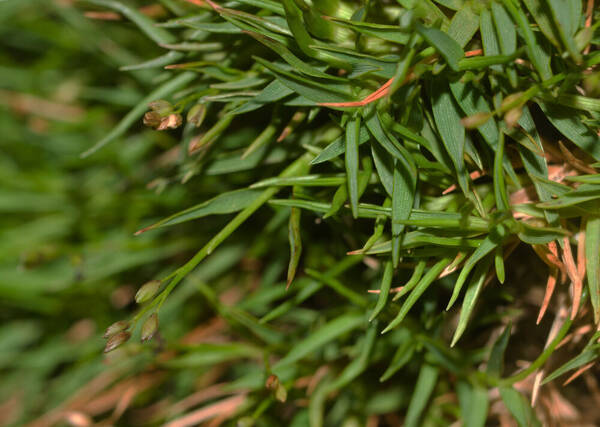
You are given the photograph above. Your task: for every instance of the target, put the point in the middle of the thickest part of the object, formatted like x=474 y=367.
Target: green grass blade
x=471 y=296
x=402 y=356
x=384 y=290
x=592 y=262
x=316 y=180
x=566 y=25
x=463 y=26
x=500 y=192
x=489 y=244
x=352 y=143
x=426 y=382
x=443 y=43
x=489 y=38
x=447 y=119
x=295 y=240
x=413 y=281
x=518 y=407
x=495 y=365
x=403 y=198
x=474 y=404
x=587 y=356
x=232 y=201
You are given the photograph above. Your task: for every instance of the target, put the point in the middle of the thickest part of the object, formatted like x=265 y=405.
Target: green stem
x=295 y=168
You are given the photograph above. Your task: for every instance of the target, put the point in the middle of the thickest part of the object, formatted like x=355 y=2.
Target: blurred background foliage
x=70 y=266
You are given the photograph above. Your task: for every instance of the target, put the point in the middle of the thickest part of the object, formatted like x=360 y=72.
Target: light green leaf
x=225 y=203
x=352 y=143
x=592 y=262
x=424 y=387
x=402 y=356
x=384 y=290
x=519 y=407
x=495 y=365
x=447 y=119
x=443 y=43
x=473 y=291
x=495 y=237
x=474 y=404
x=463 y=26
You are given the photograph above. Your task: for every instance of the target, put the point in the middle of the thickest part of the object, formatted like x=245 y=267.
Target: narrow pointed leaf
x=443 y=43
x=352 y=143
x=488 y=245
x=386 y=283
x=416 y=293
x=471 y=296
x=426 y=382
x=592 y=261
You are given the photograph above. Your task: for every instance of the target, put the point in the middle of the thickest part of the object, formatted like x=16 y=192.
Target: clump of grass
x=409 y=188
x=454 y=129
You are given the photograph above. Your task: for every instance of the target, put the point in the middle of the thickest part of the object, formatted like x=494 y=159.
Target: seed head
x=116 y=340
x=152 y=119
x=272 y=382
x=115 y=328
x=149 y=327
x=197 y=114
x=172 y=121
x=147 y=291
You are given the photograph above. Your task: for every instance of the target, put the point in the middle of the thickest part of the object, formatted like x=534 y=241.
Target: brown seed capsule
x=172 y=121
x=272 y=382
x=149 y=327
x=152 y=119
x=115 y=328
x=147 y=291
x=197 y=114
x=116 y=340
